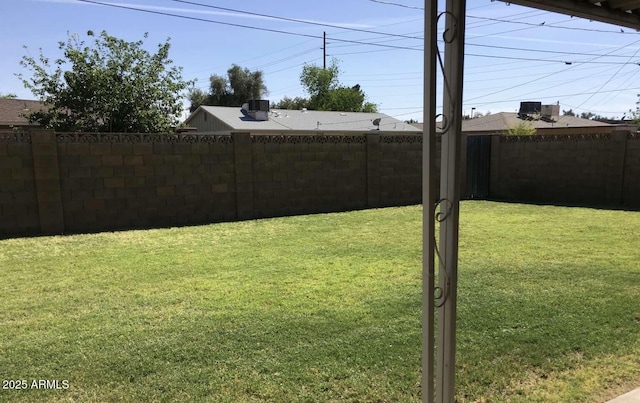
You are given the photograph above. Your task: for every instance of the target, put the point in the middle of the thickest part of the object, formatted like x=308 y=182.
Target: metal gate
x=478 y=167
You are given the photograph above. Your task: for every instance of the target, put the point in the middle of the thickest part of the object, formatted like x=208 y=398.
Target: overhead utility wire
x=539 y=50
x=321 y=24
x=621 y=31
x=512 y=21
x=397 y=4
x=292 y=33
x=549 y=60
x=549 y=75
x=278 y=31
x=607 y=82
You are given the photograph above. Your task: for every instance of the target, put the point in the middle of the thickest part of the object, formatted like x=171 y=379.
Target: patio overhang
x=624 y=13
x=438 y=372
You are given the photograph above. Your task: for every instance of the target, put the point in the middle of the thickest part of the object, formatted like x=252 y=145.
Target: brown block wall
x=574 y=169
x=294 y=174
x=141 y=181
x=18 y=198
x=85 y=182
x=631 y=188
x=400 y=170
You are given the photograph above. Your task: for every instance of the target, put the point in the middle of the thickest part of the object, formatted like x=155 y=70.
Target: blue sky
x=512 y=53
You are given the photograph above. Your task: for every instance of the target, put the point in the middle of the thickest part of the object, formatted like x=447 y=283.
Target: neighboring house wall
x=205 y=122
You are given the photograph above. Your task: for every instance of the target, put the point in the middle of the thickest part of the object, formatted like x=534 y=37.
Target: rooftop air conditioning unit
x=550 y=113
x=258 y=109
x=530 y=110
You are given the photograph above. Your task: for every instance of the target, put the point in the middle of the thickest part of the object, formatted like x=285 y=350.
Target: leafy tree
x=111 y=86
x=570 y=112
x=240 y=86
x=634 y=115
x=296 y=103
x=327 y=94
x=8 y=96
x=522 y=128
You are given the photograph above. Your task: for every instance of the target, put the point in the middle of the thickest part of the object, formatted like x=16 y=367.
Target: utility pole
x=324 y=50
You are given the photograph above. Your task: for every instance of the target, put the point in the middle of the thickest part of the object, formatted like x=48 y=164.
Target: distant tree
x=327 y=94
x=410 y=121
x=634 y=115
x=522 y=128
x=240 y=85
x=8 y=96
x=570 y=112
x=111 y=85
x=596 y=117
x=296 y=103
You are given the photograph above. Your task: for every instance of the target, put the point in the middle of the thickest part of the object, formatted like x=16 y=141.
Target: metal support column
x=429 y=199
x=450 y=199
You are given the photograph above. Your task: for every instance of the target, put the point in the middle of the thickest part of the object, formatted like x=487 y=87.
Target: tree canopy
x=111 y=85
x=326 y=93
x=240 y=85
x=522 y=128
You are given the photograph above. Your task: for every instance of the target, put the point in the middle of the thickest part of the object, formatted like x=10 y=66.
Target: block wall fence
x=600 y=170
x=54 y=183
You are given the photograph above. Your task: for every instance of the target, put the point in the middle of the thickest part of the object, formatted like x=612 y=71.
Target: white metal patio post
x=449 y=199
x=429 y=199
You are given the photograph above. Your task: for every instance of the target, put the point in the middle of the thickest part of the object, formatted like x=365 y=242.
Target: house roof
x=303 y=120
x=13 y=111
x=503 y=121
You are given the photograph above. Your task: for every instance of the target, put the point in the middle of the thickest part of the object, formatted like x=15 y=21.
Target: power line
x=549 y=75
x=543 y=24
x=278 y=31
x=608 y=81
x=275 y=17
x=566 y=62
x=397 y=4
x=357 y=42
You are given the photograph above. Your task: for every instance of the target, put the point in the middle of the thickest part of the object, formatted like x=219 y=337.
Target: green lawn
x=324 y=308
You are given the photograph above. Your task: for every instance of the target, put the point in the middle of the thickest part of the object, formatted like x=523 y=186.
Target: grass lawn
x=324 y=308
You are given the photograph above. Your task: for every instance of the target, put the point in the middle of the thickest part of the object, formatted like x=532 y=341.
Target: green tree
x=522 y=128
x=111 y=85
x=240 y=86
x=8 y=96
x=570 y=112
x=634 y=115
x=296 y=103
x=326 y=93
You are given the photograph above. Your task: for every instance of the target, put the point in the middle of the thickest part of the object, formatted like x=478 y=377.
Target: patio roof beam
x=623 y=16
